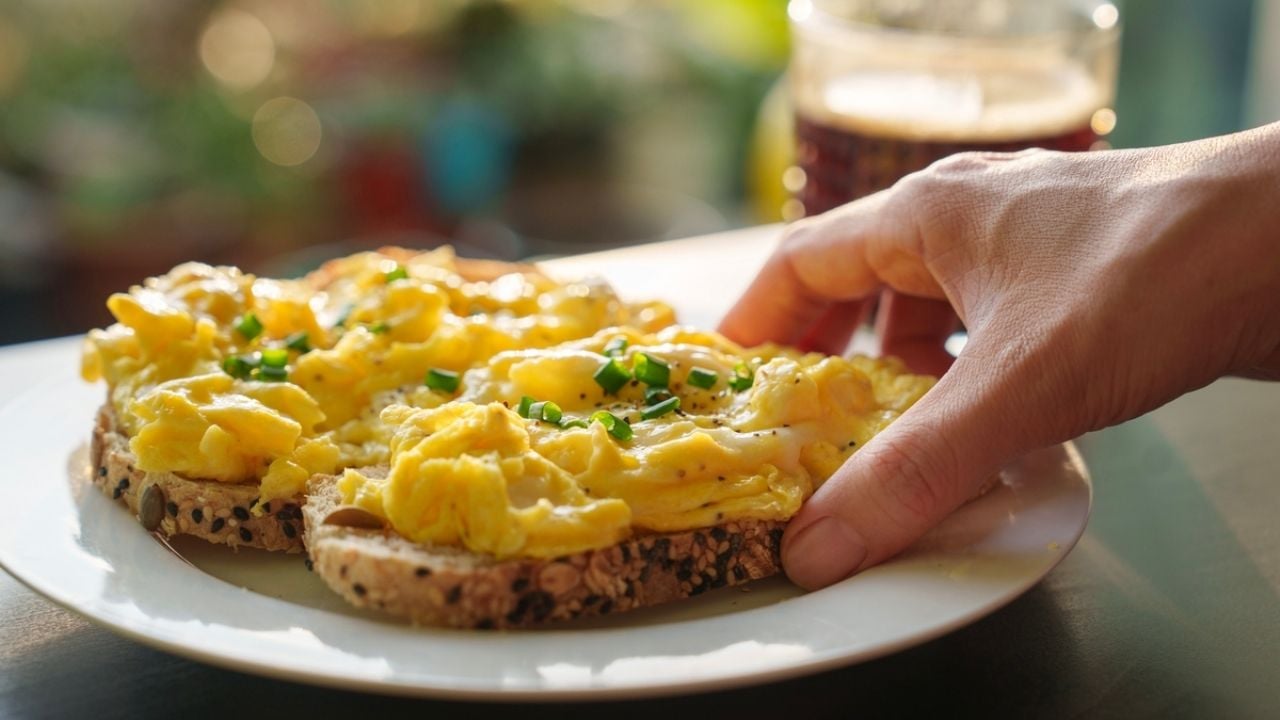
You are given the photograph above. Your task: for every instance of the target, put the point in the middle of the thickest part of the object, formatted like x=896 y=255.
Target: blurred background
x=271 y=134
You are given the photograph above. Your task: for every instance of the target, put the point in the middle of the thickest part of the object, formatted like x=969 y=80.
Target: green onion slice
x=614 y=424
x=275 y=357
x=701 y=377
x=742 y=378
x=400 y=273
x=298 y=341
x=653 y=395
x=249 y=326
x=671 y=404
x=575 y=423
x=272 y=374
x=526 y=403
x=612 y=376
x=239 y=367
x=379 y=328
x=651 y=370
x=546 y=411
x=442 y=380
x=345 y=316
x=616 y=347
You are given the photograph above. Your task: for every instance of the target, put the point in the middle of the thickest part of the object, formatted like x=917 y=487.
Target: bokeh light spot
x=1103 y=121
x=286 y=131
x=237 y=49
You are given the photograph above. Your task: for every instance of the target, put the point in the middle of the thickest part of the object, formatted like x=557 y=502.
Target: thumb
x=905 y=480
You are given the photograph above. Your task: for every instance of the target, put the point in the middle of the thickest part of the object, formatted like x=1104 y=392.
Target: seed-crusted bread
x=448 y=586
x=221 y=513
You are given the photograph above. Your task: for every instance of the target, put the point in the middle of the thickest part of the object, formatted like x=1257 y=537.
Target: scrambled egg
x=511 y=415
x=219 y=375
x=475 y=471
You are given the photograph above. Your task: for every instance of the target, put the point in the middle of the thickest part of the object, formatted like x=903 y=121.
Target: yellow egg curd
x=219 y=375
x=537 y=457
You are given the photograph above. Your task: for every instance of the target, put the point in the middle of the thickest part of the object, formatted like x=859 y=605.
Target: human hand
x=1094 y=286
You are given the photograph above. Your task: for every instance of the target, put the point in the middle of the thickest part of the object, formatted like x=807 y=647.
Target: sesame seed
x=289 y=530
x=197 y=515
x=245 y=535
x=359 y=589
x=172 y=508
x=240 y=513
x=218 y=524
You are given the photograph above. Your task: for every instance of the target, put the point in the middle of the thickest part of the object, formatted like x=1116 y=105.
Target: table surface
x=1168 y=607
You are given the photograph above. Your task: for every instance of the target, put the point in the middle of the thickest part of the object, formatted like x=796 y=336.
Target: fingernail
x=822 y=553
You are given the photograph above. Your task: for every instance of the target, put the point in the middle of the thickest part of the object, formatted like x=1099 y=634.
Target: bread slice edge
x=220 y=513
x=447 y=586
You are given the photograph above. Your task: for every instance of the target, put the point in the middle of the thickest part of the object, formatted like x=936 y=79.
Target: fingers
x=916 y=330
x=827 y=259
x=835 y=327
x=906 y=480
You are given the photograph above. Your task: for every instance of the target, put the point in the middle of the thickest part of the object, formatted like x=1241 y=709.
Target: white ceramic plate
x=264 y=613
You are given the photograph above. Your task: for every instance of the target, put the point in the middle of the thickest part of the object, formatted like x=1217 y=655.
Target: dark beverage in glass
x=882 y=88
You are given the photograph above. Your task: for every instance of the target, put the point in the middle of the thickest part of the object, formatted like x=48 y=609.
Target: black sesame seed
x=359 y=589
x=245 y=535
x=310 y=565
x=102 y=471
x=197 y=515
x=519 y=584
x=218 y=524
x=454 y=595
x=422 y=572
x=289 y=530
x=172 y=508
x=240 y=513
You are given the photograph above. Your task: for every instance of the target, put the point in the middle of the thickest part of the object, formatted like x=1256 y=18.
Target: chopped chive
x=742 y=378
x=298 y=341
x=574 y=423
x=526 y=402
x=656 y=411
x=701 y=377
x=651 y=370
x=442 y=380
x=654 y=395
x=272 y=374
x=616 y=347
x=238 y=367
x=546 y=411
x=249 y=326
x=552 y=413
x=613 y=424
x=379 y=328
x=400 y=273
x=275 y=357
x=612 y=376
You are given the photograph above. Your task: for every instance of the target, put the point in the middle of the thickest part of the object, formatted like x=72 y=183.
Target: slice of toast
x=221 y=513
x=449 y=586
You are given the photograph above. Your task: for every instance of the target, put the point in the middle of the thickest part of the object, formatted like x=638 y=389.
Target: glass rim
x=809 y=15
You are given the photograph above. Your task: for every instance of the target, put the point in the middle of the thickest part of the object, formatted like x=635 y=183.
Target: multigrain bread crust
x=171 y=505
x=449 y=586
